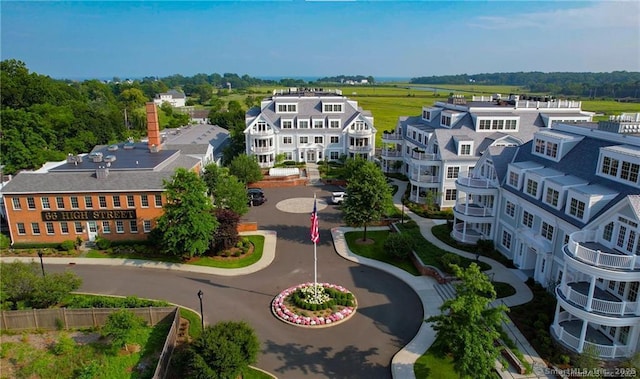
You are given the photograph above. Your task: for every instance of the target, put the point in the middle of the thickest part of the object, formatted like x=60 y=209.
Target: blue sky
x=319 y=38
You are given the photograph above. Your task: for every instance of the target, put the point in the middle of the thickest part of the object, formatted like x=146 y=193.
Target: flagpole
x=315 y=271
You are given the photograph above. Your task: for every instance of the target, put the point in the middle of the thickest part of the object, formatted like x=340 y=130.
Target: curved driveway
x=388 y=316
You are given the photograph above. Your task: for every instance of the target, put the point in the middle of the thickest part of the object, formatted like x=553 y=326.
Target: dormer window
x=334 y=124
x=552 y=197
x=331 y=108
x=484 y=124
x=545 y=148
x=445 y=120
x=303 y=124
x=261 y=126
x=576 y=208
x=619 y=163
x=318 y=124
x=465 y=149
x=286 y=108
x=287 y=124
x=426 y=115
x=532 y=188
x=514 y=179
x=359 y=125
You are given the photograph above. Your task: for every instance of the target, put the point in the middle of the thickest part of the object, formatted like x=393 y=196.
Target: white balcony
x=567 y=331
x=391 y=153
x=475 y=182
x=423 y=156
x=360 y=132
x=602 y=301
x=583 y=247
x=470 y=209
x=469 y=235
x=424 y=178
x=262 y=149
x=359 y=148
x=261 y=132
x=391 y=137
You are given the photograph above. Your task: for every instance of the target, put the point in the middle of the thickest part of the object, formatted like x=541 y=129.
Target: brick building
x=115 y=191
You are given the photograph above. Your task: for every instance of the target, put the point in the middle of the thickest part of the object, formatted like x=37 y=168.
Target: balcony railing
x=391 y=136
x=391 y=153
x=475 y=182
x=424 y=178
x=360 y=132
x=423 y=156
x=262 y=149
x=261 y=132
x=473 y=210
x=618 y=308
x=597 y=257
x=603 y=351
x=470 y=236
x=360 y=148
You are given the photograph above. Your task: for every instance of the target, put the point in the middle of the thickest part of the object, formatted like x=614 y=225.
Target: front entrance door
x=311 y=156
x=92 y=227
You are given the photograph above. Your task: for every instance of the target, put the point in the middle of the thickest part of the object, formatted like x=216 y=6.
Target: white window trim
x=334 y=120
x=578 y=198
x=303 y=120
x=560 y=191
x=287 y=120
x=526 y=187
x=287 y=105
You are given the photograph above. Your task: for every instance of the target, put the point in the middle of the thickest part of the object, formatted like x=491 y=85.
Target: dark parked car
x=255 y=196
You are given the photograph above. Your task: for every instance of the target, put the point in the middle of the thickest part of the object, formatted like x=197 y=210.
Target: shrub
x=65 y=345
x=120 y=327
x=68 y=245
x=5 y=241
x=103 y=243
x=448 y=259
x=398 y=245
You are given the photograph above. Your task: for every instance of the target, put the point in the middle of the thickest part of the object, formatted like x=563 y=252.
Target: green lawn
x=376 y=250
x=257 y=240
x=503 y=289
x=442 y=233
x=434 y=364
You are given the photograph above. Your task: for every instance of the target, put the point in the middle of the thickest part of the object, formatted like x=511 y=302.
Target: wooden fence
x=63 y=318
x=167 y=350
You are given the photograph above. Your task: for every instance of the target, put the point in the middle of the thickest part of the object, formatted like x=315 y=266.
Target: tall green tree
x=223 y=351
x=245 y=168
x=368 y=196
x=187 y=225
x=469 y=325
x=226 y=191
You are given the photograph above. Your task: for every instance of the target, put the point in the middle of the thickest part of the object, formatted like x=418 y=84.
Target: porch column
x=592 y=287
x=632 y=340
x=464 y=230
x=556 y=320
x=583 y=335
x=466 y=204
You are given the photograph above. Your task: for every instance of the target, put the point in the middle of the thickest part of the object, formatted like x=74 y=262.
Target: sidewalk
x=268 y=255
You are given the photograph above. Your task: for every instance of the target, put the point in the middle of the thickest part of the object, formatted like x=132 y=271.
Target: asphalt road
x=388 y=316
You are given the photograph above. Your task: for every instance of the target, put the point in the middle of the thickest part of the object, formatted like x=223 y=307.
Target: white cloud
x=600 y=15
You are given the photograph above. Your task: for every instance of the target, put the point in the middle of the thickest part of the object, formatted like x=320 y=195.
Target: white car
x=338 y=197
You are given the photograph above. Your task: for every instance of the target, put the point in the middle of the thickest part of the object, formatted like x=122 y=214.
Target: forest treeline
x=616 y=84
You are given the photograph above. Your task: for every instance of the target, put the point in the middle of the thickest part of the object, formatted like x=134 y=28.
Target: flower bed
x=283 y=307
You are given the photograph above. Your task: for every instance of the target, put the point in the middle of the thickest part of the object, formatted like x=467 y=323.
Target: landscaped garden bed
x=322 y=305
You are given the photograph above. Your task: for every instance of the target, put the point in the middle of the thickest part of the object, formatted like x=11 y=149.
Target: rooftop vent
x=112 y=147
x=110 y=158
x=102 y=172
x=96 y=157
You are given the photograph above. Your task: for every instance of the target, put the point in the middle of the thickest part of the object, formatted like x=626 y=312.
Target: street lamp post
x=200 y=293
x=41 y=263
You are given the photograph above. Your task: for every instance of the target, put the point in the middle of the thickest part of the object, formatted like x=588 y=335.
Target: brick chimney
x=153 y=128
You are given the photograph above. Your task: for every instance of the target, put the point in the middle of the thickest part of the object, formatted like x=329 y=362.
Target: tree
x=187 y=224
x=226 y=236
x=226 y=191
x=368 y=196
x=223 y=351
x=21 y=284
x=121 y=326
x=245 y=168
x=468 y=325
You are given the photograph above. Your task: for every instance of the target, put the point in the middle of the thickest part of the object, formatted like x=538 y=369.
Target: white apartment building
x=308 y=125
x=565 y=207
x=447 y=139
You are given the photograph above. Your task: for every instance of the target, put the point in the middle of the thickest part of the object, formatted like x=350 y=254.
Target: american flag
x=315 y=235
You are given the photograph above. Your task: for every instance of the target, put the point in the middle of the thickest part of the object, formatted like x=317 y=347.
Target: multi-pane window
x=465 y=149
x=74 y=202
x=64 y=227
x=133 y=226
x=119 y=226
x=527 y=219
x=576 y=208
x=287 y=140
x=45 y=203
x=102 y=200
x=304 y=139
x=35 y=228
x=60 y=202
x=16 y=203
x=451 y=194
x=334 y=155
x=510 y=209
x=318 y=139
x=607 y=232
x=158 y=200
x=288 y=155
x=318 y=124
x=539 y=146
x=287 y=124
x=510 y=124
x=566 y=239
x=484 y=125
x=513 y=179
x=335 y=139
x=543 y=147
x=21 y=228
x=532 y=187
x=334 y=124
x=629 y=171
x=130 y=202
x=287 y=108
x=106 y=227
x=49 y=226
x=632 y=295
x=146 y=226
x=303 y=124
x=623 y=335
x=332 y=107
x=116 y=201
x=445 y=120
x=610 y=166
x=31 y=203
x=552 y=197
x=77 y=226
x=506 y=239
x=144 y=200
x=552 y=149
x=452 y=172
x=88 y=202
x=547 y=231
